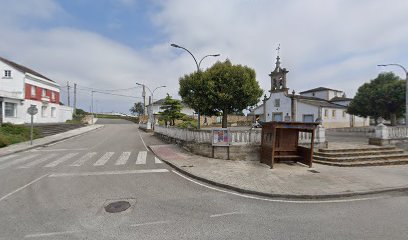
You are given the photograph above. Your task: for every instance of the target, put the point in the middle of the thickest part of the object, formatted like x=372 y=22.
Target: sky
x=114 y=44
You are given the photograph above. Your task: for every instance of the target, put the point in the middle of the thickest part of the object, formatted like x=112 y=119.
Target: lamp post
x=406 y=87
x=198 y=70
x=150 y=113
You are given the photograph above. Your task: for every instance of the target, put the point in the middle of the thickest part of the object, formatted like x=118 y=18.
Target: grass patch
x=10 y=134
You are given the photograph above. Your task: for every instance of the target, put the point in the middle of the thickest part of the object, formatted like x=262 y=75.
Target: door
x=277 y=117
x=308 y=118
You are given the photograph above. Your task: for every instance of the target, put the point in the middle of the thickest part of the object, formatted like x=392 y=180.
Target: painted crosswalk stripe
x=61 y=160
x=123 y=158
x=38 y=161
x=83 y=159
x=156 y=160
x=17 y=161
x=104 y=159
x=141 y=157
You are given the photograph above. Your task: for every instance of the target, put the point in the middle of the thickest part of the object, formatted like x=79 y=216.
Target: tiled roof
x=319 y=89
x=23 y=69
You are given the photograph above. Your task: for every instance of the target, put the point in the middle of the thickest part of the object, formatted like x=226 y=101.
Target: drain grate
x=116 y=207
x=313 y=171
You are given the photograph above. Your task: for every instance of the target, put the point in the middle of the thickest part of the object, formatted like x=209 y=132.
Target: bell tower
x=278 y=77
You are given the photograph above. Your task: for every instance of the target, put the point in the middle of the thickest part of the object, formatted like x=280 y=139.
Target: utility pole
x=75 y=94
x=68 y=100
x=144 y=100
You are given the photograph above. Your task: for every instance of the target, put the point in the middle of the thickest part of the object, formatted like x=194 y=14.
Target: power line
x=108 y=90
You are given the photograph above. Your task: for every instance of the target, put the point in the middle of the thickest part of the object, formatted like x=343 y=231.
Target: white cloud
x=324 y=43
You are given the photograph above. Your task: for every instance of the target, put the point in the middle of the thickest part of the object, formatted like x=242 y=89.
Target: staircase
x=55 y=128
x=361 y=156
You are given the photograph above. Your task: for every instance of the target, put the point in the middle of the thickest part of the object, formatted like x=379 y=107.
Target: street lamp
x=151 y=108
x=198 y=69
x=406 y=87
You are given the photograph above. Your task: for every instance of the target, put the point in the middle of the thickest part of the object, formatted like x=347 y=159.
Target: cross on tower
x=278 y=49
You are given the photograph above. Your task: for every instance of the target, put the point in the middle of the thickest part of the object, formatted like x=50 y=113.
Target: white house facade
x=320 y=104
x=21 y=87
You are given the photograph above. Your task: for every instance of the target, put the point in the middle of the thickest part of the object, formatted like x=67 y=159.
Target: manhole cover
x=118 y=206
x=313 y=171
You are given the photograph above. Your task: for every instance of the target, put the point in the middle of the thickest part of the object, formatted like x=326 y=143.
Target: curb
x=50 y=142
x=286 y=196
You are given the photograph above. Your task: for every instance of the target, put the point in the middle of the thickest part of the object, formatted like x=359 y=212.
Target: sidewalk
x=287 y=181
x=19 y=147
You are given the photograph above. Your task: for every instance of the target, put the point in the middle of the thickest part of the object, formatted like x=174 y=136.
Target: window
x=10 y=109
x=333 y=113
x=313 y=94
x=326 y=113
x=53 y=112
x=53 y=95
x=277 y=102
x=43 y=111
x=7 y=73
x=277 y=117
x=43 y=93
x=33 y=91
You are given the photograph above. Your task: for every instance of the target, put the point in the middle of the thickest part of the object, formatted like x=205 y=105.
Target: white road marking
x=108 y=173
x=276 y=200
x=156 y=160
x=17 y=161
x=123 y=158
x=2 y=159
x=61 y=160
x=50 y=234
x=38 y=161
x=224 y=214
x=59 y=150
x=149 y=223
x=141 y=157
x=104 y=159
x=143 y=140
x=83 y=159
x=21 y=188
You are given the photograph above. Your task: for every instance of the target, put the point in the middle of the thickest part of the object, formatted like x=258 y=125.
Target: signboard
x=220 y=137
x=32 y=110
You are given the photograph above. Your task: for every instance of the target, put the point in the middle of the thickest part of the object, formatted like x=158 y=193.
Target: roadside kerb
x=24 y=146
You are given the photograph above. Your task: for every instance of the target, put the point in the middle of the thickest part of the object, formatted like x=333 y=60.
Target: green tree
x=383 y=96
x=224 y=88
x=137 y=109
x=171 y=110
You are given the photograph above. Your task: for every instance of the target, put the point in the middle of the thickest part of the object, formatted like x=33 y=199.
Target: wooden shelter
x=280 y=142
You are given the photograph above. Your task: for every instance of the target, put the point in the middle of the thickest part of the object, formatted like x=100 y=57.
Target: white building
x=21 y=87
x=319 y=104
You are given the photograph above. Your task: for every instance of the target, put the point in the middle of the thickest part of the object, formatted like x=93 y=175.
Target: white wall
x=326 y=94
x=285 y=105
x=11 y=87
x=306 y=109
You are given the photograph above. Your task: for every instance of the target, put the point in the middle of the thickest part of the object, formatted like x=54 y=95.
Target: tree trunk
x=224 y=119
x=393 y=119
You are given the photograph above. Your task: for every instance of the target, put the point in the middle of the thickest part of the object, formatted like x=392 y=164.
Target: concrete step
x=52 y=129
x=364 y=163
x=360 y=149
x=362 y=158
x=357 y=153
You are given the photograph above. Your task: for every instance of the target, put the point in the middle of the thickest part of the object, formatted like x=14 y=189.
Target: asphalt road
x=59 y=192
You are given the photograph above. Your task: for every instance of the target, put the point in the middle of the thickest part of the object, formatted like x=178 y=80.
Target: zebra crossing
x=77 y=159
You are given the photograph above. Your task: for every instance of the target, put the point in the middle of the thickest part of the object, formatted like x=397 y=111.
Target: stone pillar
x=381 y=131
x=293 y=107
x=320 y=134
x=264 y=108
